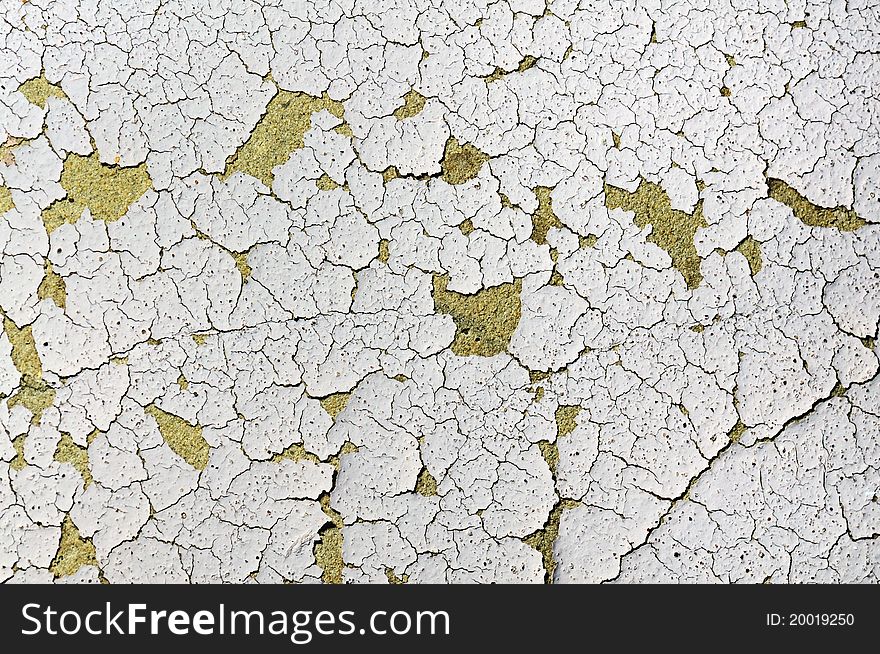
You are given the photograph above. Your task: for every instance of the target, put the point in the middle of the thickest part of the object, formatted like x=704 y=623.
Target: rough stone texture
x=407 y=292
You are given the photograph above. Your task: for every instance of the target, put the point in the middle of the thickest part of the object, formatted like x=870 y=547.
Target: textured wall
x=411 y=291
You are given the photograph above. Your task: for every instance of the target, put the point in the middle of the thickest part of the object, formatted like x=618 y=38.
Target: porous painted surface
x=410 y=291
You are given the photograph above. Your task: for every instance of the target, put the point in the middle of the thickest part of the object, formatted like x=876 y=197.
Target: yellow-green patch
x=383 y=251
x=6 y=203
x=566 y=419
x=426 y=484
x=389 y=174
x=74 y=551
x=241 y=262
x=550 y=452
x=461 y=163
x=19 y=462
x=394 y=579
x=52 y=287
x=525 y=63
x=413 y=103
x=328 y=550
x=672 y=230
x=34 y=394
x=543 y=219
x=737 y=431
x=587 y=241
x=326 y=183
x=335 y=403
x=751 y=250
x=812 y=215
x=38 y=90
x=543 y=539
x=108 y=191
x=297 y=452
x=278 y=133
x=484 y=321
x=76 y=455
x=182 y=437
x=615 y=138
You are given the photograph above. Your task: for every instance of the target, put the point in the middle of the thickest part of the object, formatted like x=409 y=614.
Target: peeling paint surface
x=410 y=292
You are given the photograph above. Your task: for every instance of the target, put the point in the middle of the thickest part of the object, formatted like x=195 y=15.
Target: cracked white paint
x=728 y=431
